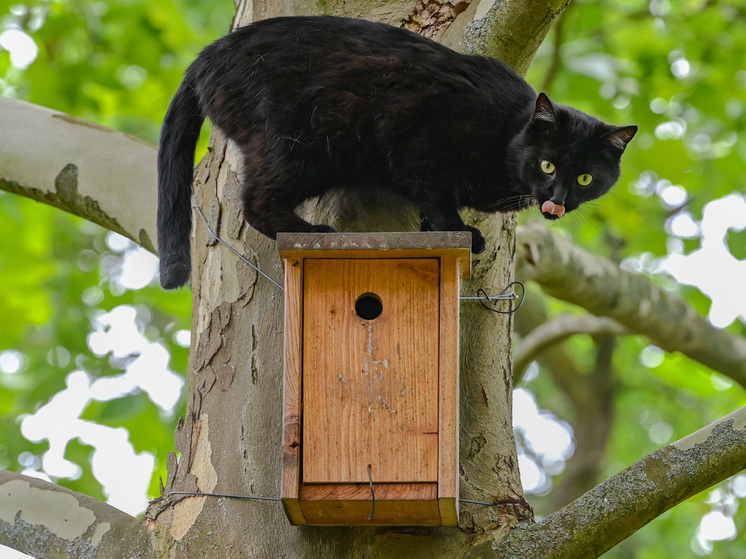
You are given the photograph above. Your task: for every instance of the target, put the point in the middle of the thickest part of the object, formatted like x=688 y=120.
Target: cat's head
x=567 y=157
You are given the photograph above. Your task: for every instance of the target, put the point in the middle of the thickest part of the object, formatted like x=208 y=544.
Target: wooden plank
x=294 y=512
x=448 y=371
x=370 y=386
x=388 y=254
x=361 y=492
x=427 y=244
x=397 y=504
x=291 y=386
x=387 y=513
x=448 y=509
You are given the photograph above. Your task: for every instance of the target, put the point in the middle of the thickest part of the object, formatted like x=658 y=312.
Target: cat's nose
x=558 y=197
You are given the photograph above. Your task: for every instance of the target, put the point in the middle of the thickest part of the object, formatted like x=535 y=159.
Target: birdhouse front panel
x=370 y=419
x=370 y=361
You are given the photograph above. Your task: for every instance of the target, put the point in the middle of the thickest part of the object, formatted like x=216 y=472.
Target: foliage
x=675 y=69
x=116 y=63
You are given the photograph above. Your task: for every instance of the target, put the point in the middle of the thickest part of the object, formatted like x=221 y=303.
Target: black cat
x=320 y=102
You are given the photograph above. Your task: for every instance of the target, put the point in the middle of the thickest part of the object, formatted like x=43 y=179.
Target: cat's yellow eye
x=547 y=167
x=585 y=180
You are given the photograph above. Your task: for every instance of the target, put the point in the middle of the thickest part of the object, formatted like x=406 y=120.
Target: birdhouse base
x=396 y=504
x=370 y=420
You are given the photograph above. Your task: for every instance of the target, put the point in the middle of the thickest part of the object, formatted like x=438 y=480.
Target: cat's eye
x=585 y=180
x=547 y=167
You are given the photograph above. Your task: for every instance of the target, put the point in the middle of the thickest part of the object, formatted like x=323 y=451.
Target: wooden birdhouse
x=371 y=377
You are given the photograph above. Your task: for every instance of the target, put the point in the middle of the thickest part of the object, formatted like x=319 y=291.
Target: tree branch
x=563 y=369
x=572 y=274
x=510 y=30
x=97 y=173
x=46 y=520
x=624 y=503
x=561 y=328
x=556 y=60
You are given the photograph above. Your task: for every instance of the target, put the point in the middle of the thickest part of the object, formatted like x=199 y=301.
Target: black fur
x=320 y=102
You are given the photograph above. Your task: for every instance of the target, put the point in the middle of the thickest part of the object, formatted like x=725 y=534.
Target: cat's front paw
x=324 y=229
x=478 y=244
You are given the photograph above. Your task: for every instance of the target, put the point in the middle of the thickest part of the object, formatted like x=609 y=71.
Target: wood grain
x=291 y=386
x=370 y=387
x=387 y=513
x=397 y=504
x=448 y=372
x=383 y=391
x=361 y=492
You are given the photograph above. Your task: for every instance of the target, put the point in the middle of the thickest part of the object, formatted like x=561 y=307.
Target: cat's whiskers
x=580 y=219
x=521 y=200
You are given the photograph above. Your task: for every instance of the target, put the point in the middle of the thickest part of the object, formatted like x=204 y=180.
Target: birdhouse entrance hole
x=371 y=377
x=368 y=306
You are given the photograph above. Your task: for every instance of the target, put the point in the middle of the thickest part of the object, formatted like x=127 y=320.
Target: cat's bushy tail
x=178 y=142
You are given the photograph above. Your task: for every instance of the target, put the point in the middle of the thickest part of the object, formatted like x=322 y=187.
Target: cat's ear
x=620 y=137
x=544 y=109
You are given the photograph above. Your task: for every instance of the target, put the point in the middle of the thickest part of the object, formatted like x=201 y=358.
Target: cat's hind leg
x=270 y=209
x=276 y=215
x=273 y=184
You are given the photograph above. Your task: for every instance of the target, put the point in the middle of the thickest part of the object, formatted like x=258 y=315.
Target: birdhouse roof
x=427 y=244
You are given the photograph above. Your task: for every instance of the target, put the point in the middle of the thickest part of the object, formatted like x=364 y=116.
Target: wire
x=373 y=496
x=483 y=296
x=478 y=503
x=221 y=241
x=256 y=498
x=199 y=494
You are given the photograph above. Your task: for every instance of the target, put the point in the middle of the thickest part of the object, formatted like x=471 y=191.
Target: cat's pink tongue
x=552 y=208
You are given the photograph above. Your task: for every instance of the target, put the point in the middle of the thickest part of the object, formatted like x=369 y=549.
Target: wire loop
x=372 y=495
x=483 y=297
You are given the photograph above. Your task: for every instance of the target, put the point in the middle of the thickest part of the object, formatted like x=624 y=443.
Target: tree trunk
x=230 y=442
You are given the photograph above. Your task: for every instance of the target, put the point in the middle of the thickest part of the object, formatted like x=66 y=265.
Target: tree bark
x=46 y=520
x=498 y=28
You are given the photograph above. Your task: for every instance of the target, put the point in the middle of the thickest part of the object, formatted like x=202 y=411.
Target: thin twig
x=557 y=330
